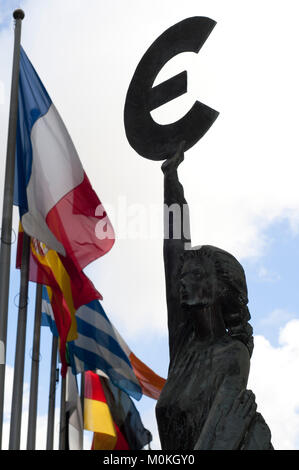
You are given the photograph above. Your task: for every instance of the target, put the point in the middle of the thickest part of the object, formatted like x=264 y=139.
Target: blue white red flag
x=57 y=203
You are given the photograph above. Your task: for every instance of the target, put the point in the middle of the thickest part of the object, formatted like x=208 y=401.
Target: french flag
x=57 y=203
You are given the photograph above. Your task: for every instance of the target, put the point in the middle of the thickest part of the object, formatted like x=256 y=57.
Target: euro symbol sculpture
x=148 y=138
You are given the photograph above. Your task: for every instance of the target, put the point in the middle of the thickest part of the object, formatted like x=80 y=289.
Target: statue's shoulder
x=230 y=365
x=232 y=349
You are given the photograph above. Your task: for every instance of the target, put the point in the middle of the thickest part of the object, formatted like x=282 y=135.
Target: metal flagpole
x=17 y=394
x=31 y=435
x=63 y=423
x=52 y=393
x=82 y=394
x=82 y=391
x=7 y=205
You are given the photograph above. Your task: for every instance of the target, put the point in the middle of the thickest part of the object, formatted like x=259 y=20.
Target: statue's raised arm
x=176 y=239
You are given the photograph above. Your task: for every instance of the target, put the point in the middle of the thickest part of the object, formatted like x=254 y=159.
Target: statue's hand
x=172 y=163
x=233 y=425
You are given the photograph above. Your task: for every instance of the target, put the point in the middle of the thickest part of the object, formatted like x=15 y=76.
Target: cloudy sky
x=240 y=180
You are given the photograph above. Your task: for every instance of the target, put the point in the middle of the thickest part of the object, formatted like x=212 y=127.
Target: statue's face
x=198 y=284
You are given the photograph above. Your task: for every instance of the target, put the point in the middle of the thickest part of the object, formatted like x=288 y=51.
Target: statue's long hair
x=231 y=290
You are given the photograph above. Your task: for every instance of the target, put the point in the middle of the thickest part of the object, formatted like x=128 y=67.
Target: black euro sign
x=147 y=137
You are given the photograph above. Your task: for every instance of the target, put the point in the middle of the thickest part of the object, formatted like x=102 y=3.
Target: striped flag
x=112 y=416
x=47 y=312
x=94 y=330
x=56 y=202
x=58 y=207
x=97 y=346
x=126 y=417
x=97 y=415
x=67 y=293
x=151 y=383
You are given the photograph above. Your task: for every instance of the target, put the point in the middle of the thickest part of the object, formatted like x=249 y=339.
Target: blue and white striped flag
x=47 y=313
x=97 y=346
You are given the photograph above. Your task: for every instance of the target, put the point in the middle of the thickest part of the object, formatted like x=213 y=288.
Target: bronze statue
x=205 y=404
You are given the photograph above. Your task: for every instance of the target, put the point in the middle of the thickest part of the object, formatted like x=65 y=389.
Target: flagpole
x=82 y=394
x=82 y=391
x=31 y=434
x=7 y=205
x=62 y=430
x=52 y=393
x=18 y=381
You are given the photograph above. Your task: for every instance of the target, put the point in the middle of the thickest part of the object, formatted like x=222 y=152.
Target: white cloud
x=267 y=275
x=276 y=318
x=275 y=382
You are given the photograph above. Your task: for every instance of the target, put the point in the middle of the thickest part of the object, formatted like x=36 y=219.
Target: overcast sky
x=240 y=180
